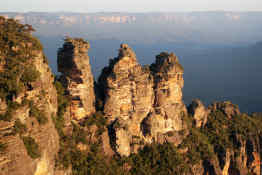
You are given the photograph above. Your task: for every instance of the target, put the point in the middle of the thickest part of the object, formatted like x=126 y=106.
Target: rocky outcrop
x=129 y=95
x=19 y=158
x=169 y=108
x=128 y=87
x=142 y=103
x=247 y=158
x=241 y=154
x=199 y=113
x=226 y=107
x=77 y=78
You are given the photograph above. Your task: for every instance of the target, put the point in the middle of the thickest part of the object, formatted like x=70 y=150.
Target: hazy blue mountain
x=213 y=28
x=231 y=73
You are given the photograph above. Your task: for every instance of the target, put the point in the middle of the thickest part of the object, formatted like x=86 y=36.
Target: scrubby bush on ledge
x=32 y=147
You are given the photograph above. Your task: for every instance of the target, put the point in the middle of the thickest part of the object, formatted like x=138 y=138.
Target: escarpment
x=77 y=78
x=132 y=121
x=28 y=139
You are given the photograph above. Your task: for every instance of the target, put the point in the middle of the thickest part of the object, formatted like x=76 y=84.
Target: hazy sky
x=130 y=5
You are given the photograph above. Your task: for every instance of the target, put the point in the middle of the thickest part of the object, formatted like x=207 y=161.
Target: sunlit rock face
x=128 y=88
x=142 y=102
x=168 y=79
x=129 y=96
x=15 y=160
x=169 y=108
x=77 y=78
x=198 y=112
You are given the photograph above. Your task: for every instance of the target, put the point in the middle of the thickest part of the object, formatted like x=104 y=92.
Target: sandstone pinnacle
x=77 y=78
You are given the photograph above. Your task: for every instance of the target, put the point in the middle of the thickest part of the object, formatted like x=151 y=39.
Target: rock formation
x=56 y=130
x=226 y=107
x=77 y=78
x=199 y=113
x=129 y=95
x=28 y=139
x=142 y=102
x=169 y=108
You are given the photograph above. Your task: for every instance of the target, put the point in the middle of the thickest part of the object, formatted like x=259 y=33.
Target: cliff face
x=235 y=138
x=142 y=113
x=169 y=108
x=28 y=138
x=129 y=97
x=77 y=78
x=140 y=101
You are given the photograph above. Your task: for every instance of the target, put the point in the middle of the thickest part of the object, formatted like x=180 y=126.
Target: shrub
x=199 y=146
x=38 y=114
x=158 y=159
x=32 y=147
x=78 y=135
x=97 y=119
x=2 y=147
x=19 y=128
x=29 y=75
x=63 y=101
x=217 y=130
x=11 y=107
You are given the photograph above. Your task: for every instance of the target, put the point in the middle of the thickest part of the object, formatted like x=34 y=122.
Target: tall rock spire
x=77 y=78
x=129 y=97
x=142 y=103
x=168 y=105
x=129 y=90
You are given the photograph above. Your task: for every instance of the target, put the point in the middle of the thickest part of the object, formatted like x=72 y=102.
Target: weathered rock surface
x=77 y=78
x=129 y=95
x=168 y=105
x=248 y=157
x=199 y=113
x=145 y=102
x=226 y=107
x=42 y=94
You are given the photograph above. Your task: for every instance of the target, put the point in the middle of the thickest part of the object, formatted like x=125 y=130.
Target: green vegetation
x=2 y=147
x=218 y=130
x=91 y=161
x=31 y=147
x=158 y=159
x=97 y=119
x=153 y=159
x=63 y=101
x=68 y=144
x=11 y=107
x=38 y=114
x=19 y=128
x=30 y=75
x=198 y=145
x=17 y=50
x=221 y=130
